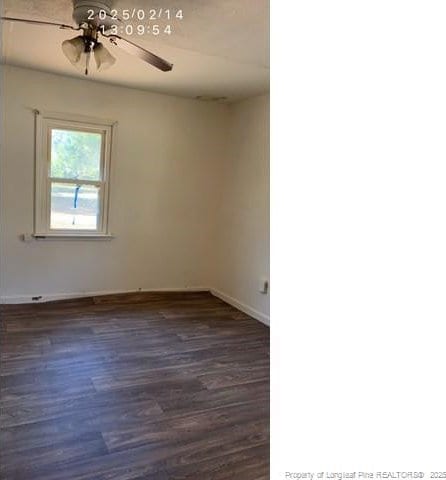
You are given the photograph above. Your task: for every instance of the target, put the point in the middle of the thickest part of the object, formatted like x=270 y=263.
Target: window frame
x=45 y=123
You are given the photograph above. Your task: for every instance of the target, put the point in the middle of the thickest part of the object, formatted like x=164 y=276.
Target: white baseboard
x=51 y=297
x=261 y=317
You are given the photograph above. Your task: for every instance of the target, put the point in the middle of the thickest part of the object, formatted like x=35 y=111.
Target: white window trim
x=44 y=122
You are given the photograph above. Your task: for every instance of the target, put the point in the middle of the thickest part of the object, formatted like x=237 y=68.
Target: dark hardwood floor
x=133 y=387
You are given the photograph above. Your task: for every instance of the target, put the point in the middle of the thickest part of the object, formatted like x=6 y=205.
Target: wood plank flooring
x=143 y=386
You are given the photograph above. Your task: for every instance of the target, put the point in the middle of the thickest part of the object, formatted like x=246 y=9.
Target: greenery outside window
x=72 y=175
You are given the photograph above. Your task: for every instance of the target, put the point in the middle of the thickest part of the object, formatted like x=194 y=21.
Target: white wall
x=189 y=195
x=242 y=235
x=163 y=203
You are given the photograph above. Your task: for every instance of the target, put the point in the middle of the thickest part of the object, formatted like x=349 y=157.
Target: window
x=72 y=175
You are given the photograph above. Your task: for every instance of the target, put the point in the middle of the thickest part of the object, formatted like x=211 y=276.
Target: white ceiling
x=220 y=48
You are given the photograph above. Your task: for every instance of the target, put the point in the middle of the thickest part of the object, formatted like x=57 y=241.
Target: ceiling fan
x=94 y=19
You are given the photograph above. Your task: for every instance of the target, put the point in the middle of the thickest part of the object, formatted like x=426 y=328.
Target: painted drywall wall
x=166 y=170
x=189 y=195
x=242 y=233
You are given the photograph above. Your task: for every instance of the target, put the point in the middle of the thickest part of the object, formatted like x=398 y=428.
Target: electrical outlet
x=27 y=237
x=263 y=285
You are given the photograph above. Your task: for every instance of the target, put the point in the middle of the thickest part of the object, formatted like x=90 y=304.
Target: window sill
x=72 y=236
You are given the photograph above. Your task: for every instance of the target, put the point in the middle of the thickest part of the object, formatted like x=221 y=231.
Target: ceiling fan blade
x=140 y=52
x=38 y=22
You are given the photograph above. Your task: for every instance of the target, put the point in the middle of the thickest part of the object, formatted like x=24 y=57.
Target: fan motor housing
x=83 y=12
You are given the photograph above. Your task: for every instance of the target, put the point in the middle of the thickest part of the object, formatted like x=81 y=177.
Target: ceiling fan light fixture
x=104 y=59
x=73 y=49
x=79 y=50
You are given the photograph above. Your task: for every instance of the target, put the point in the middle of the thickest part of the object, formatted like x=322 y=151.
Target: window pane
x=74 y=207
x=75 y=155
